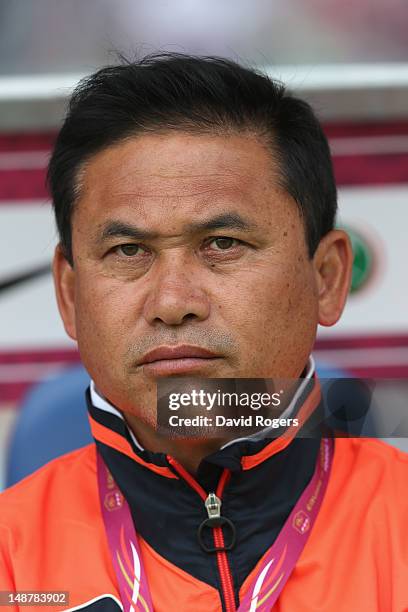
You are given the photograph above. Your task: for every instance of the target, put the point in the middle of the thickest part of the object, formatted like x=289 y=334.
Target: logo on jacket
x=113 y=500
x=301 y=522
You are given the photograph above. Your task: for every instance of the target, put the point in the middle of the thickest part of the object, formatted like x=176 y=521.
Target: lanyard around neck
x=272 y=574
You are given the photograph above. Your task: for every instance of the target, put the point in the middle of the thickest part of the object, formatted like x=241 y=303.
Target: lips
x=178 y=361
x=177 y=352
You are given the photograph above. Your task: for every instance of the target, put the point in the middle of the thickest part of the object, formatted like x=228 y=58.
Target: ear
x=64 y=281
x=333 y=261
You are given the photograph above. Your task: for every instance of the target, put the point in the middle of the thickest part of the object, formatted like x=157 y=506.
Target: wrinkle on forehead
x=147 y=165
x=149 y=185
x=181 y=193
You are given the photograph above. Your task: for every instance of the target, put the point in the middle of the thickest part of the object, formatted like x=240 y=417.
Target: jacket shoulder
x=384 y=453
x=365 y=461
x=62 y=478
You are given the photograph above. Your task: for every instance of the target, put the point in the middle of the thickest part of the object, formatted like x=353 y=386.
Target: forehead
x=182 y=174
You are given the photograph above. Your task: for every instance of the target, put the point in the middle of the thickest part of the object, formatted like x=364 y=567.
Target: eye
x=223 y=243
x=129 y=250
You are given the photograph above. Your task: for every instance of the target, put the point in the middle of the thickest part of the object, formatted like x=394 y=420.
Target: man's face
x=186 y=244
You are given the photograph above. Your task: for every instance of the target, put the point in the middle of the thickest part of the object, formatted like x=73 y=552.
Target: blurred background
x=349 y=59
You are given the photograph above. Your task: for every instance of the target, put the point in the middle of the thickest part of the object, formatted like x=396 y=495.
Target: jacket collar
x=109 y=427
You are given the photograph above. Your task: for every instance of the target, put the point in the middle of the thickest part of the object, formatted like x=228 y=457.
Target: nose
x=176 y=295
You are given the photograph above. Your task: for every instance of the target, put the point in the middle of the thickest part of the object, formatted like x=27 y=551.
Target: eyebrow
x=224 y=221
x=114 y=229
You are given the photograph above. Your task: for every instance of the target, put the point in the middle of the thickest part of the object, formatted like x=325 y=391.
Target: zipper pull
x=213 y=506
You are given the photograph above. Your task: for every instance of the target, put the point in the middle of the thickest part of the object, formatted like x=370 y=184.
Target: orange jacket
x=52 y=537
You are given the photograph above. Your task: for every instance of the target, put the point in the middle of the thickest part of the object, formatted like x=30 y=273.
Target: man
x=195 y=204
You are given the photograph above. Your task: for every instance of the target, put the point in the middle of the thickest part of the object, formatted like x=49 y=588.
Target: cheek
x=102 y=314
x=291 y=298
x=274 y=309
x=273 y=294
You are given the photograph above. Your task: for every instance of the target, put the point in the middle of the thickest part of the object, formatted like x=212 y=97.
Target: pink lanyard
x=273 y=572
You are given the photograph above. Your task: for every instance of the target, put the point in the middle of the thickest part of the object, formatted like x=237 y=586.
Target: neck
x=189 y=452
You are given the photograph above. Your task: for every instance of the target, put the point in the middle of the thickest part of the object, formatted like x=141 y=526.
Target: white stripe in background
x=24 y=160
x=28 y=372
x=369 y=145
x=37 y=86
x=361 y=357
x=310 y=77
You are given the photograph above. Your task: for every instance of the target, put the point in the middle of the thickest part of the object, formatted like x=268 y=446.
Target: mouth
x=173 y=360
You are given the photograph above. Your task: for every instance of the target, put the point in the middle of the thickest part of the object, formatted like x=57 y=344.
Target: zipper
x=212 y=503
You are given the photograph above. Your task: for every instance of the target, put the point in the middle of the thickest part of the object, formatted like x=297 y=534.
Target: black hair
x=195 y=94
